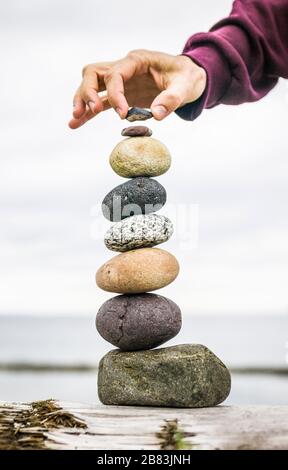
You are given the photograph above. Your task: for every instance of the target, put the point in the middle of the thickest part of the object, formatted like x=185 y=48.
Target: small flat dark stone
x=140 y=321
x=136 y=131
x=137 y=196
x=138 y=114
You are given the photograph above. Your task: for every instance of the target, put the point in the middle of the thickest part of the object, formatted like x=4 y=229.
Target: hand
x=147 y=79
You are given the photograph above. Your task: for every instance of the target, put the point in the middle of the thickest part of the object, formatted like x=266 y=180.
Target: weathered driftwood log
x=56 y=425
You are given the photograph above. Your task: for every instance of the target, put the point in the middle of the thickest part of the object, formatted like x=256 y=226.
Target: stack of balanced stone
x=137 y=321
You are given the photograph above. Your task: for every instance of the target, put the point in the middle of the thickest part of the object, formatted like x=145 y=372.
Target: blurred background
x=229 y=167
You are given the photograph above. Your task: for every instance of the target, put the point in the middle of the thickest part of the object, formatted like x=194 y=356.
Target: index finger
x=89 y=89
x=115 y=80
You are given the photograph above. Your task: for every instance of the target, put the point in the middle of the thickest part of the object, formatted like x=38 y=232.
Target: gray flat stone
x=187 y=375
x=138 y=114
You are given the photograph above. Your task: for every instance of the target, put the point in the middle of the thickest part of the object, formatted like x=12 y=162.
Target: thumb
x=167 y=101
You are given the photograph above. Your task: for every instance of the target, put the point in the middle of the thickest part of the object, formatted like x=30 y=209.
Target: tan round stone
x=137 y=271
x=140 y=156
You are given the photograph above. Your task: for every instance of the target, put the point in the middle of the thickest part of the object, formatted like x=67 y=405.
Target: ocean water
x=247 y=389
x=240 y=342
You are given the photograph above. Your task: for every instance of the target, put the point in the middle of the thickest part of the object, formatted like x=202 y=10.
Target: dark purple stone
x=136 y=131
x=140 y=321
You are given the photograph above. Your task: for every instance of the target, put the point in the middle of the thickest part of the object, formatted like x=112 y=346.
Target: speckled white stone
x=138 y=231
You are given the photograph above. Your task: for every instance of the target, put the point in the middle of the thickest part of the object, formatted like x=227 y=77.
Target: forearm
x=243 y=54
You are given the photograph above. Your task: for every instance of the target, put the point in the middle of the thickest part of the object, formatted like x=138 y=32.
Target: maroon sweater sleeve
x=243 y=55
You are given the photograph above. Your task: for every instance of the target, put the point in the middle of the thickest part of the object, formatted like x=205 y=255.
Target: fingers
x=89 y=91
x=114 y=80
x=111 y=76
x=86 y=103
x=184 y=89
x=168 y=101
x=115 y=93
x=87 y=96
x=79 y=106
x=75 y=123
x=183 y=82
x=139 y=76
x=96 y=78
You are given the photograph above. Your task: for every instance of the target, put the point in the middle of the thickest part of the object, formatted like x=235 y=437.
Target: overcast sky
x=231 y=164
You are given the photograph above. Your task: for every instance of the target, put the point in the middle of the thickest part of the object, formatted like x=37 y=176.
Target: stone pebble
x=138 y=231
x=186 y=376
x=138 y=271
x=134 y=322
x=138 y=114
x=140 y=156
x=136 y=196
x=136 y=131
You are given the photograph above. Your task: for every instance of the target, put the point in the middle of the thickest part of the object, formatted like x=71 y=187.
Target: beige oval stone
x=140 y=156
x=137 y=271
